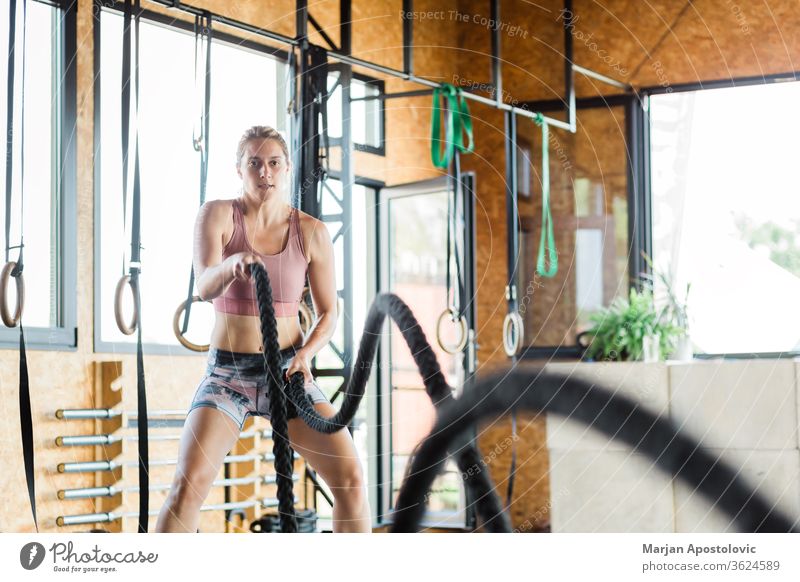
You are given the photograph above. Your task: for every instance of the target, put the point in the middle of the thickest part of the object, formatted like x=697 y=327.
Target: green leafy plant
x=675 y=309
x=619 y=330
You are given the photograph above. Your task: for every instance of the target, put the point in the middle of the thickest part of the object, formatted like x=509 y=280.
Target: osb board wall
x=660 y=42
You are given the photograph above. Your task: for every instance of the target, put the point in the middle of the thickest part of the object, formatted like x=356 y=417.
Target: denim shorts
x=236 y=384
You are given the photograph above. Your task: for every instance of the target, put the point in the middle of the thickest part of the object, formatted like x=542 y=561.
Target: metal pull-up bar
x=407 y=72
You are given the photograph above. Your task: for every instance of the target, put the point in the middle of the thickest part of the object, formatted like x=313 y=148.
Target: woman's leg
x=208 y=435
x=335 y=458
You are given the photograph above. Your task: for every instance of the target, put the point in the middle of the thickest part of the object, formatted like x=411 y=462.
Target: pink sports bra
x=286 y=270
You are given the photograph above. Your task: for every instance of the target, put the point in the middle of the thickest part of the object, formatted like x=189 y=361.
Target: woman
x=231 y=235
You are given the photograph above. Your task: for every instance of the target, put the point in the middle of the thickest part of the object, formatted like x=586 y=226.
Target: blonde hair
x=260 y=132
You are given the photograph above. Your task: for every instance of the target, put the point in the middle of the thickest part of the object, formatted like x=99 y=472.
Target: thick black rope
x=616 y=416
x=468 y=458
x=284 y=456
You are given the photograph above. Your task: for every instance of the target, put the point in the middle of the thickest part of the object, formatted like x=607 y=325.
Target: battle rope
x=618 y=417
x=469 y=460
x=284 y=456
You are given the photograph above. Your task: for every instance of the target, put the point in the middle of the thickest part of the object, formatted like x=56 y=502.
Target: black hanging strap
x=314 y=91
x=25 y=415
x=129 y=104
x=512 y=218
x=452 y=221
x=202 y=28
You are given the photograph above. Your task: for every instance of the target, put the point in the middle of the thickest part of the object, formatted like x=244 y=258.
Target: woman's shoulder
x=218 y=211
x=217 y=215
x=314 y=233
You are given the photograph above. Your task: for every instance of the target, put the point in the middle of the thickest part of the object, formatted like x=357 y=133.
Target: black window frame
x=638 y=195
x=151 y=17
x=380 y=84
x=64 y=335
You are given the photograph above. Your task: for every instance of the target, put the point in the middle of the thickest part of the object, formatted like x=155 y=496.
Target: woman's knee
x=348 y=478
x=190 y=489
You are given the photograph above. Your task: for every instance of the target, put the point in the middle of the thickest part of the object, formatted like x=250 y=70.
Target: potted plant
x=622 y=330
x=675 y=310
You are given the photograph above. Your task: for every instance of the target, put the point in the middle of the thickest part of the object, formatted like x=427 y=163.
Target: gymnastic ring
x=306 y=317
x=512 y=322
x=176 y=325
x=125 y=281
x=4 y=313
x=462 y=340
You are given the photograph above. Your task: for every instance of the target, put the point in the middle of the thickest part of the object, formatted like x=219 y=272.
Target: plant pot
x=684 y=352
x=651 y=348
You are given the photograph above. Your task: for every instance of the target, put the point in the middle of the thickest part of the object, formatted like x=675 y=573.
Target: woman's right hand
x=239 y=265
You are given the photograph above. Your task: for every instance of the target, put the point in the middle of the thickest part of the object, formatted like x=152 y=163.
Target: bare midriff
x=242 y=333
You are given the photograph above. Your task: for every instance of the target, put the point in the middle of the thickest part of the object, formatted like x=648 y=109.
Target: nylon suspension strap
x=547 y=243
x=200 y=142
x=458 y=124
x=130 y=108
x=14 y=268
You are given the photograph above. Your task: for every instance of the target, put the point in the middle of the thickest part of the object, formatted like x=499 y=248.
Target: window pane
x=41 y=207
x=170 y=165
x=417 y=274
x=725 y=215
x=365 y=115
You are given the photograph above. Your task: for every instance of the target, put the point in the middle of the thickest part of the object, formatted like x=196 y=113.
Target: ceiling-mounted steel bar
x=408 y=37
x=322 y=32
x=301 y=21
x=600 y=77
x=569 y=70
x=497 y=69
x=356 y=62
x=385 y=96
x=228 y=21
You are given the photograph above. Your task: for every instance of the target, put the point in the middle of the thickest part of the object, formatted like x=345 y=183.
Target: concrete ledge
x=608 y=491
x=645 y=383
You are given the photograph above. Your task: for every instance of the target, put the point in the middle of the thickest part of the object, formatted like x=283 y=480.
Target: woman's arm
x=213 y=275
x=322 y=281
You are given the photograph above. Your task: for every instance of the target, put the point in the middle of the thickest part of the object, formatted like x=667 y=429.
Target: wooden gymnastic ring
x=176 y=326
x=4 y=312
x=127 y=329
x=462 y=341
x=512 y=322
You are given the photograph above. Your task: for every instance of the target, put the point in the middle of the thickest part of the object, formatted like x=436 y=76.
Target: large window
x=48 y=225
x=247 y=88
x=726 y=214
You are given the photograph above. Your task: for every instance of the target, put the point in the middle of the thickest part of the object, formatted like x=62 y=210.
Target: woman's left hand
x=300 y=363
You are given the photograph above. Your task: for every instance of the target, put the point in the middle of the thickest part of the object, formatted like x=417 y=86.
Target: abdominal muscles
x=242 y=333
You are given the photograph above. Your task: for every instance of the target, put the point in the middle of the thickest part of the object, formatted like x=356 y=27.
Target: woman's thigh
x=334 y=456
x=208 y=436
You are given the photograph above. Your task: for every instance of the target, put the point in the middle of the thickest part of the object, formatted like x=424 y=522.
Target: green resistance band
x=547 y=241
x=457 y=124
